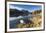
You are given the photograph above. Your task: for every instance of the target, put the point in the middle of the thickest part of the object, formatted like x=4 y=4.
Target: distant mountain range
x=16 y=12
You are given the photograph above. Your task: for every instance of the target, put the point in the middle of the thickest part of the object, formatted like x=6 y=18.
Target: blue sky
x=25 y=7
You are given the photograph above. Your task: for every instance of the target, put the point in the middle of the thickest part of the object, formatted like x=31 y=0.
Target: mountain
x=16 y=12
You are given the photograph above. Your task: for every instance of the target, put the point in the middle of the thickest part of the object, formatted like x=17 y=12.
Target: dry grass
x=36 y=22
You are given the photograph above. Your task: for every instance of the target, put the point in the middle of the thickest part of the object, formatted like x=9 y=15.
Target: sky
x=30 y=8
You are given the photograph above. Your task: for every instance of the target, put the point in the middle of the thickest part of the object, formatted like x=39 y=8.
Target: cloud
x=13 y=7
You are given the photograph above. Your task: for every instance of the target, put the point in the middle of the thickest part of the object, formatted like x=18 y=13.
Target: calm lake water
x=15 y=20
